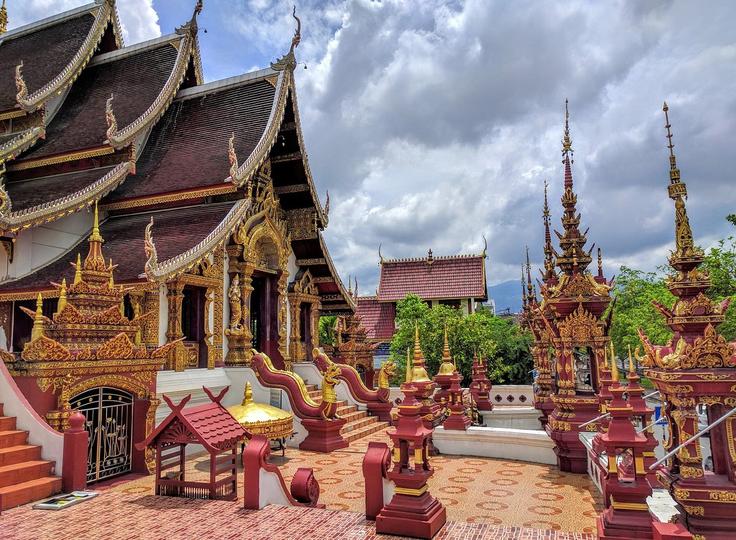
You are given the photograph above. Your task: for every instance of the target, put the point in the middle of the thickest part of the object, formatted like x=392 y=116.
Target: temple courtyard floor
x=485 y=499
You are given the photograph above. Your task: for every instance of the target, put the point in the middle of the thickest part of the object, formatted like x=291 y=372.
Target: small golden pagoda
x=261 y=418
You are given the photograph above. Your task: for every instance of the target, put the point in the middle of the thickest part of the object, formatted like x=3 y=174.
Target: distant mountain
x=506 y=295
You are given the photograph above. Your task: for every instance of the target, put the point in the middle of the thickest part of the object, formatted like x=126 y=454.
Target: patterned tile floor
x=485 y=499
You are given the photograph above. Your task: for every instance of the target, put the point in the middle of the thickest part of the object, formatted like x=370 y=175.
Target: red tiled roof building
x=456 y=280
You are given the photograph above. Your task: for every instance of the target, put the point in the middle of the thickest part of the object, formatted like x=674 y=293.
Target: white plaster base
x=520 y=444
x=176 y=385
x=512 y=417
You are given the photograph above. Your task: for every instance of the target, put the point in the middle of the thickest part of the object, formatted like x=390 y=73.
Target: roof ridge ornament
x=3 y=18
x=20 y=83
x=6 y=204
x=112 y=123
x=484 y=254
x=191 y=25
x=150 y=248
x=288 y=61
x=233 y=157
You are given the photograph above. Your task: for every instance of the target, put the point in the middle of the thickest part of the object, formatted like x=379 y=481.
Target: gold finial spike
x=111 y=283
x=566 y=140
x=605 y=358
x=674 y=171
x=3 y=18
x=614 y=369
x=38 y=322
x=247 y=394
x=446 y=348
x=62 y=297
x=632 y=371
x=96 y=236
x=78 y=271
x=418 y=356
x=600 y=263
x=408 y=365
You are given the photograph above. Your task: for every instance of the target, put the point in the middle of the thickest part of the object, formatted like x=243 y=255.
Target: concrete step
x=32 y=490
x=7 y=423
x=24 y=472
x=346 y=409
x=19 y=454
x=12 y=438
x=358 y=424
x=365 y=431
x=355 y=415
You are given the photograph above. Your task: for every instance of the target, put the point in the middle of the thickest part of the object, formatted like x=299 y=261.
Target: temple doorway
x=193 y=325
x=108 y=416
x=264 y=315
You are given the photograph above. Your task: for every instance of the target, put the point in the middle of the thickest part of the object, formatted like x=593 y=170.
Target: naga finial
x=3 y=18
x=327 y=204
x=297 y=33
x=20 y=83
x=233 y=158
x=380 y=257
x=485 y=247
x=112 y=123
x=150 y=248
x=5 y=202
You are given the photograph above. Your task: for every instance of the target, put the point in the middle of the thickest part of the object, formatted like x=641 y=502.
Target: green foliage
x=635 y=291
x=327 y=330
x=499 y=340
x=731 y=218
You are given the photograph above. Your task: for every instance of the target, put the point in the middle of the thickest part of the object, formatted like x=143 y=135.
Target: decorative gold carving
x=234 y=295
x=44 y=349
x=112 y=123
x=580 y=327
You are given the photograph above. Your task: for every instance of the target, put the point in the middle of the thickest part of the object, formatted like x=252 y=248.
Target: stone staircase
x=24 y=476
x=358 y=425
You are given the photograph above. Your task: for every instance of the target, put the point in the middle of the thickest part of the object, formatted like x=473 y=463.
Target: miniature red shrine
x=210 y=425
x=480 y=386
x=412 y=511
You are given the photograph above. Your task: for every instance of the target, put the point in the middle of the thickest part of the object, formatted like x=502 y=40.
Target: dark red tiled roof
x=377 y=317
x=214 y=424
x=45 y=53
x=211 y=424
x=174 y=231
x=28 y=193
x=461 y=276
x=134 y=80
x=188 y=147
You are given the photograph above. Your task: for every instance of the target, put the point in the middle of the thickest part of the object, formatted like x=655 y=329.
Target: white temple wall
x=163 y=314
x=41 y=245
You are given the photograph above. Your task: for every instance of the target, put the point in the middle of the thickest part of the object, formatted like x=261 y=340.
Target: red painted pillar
x=74 y=470
x=376 y=463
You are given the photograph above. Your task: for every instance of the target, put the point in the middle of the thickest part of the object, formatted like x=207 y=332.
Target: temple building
x=207 y=222
x=458 y=281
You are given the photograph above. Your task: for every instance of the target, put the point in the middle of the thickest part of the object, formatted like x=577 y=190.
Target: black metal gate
x=109 y=423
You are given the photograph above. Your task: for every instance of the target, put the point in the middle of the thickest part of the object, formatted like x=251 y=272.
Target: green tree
x=635 y=291
x=327 y=330
x=720 y=263
x=499 y=340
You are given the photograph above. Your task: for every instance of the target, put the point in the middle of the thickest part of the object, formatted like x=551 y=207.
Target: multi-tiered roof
x=136 y=129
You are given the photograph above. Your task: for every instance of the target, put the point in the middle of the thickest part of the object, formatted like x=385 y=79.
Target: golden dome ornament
x=261 y=418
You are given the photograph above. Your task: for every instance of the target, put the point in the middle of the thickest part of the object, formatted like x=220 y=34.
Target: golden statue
x=236 y=307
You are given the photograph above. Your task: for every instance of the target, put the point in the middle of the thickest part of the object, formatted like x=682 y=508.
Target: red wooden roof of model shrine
x=433 y=278
x=376 y=317
x=210 y=424
x=177 y=231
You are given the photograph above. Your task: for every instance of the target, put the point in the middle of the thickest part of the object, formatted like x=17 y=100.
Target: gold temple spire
x=677 y=190
x=96 y=236
x=3 y=18
x=447 y=367
x=62 y=297
x=632 y=371
x=38 y=320
x=566 y=140
x=78 y=270
x=418 y=371
x=247 y=394
x=529 y=285
x=408 y=365
x=614 y=370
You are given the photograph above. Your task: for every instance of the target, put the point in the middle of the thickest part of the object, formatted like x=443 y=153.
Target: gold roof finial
x=3 y=18
x=447 y=367
x=247 y=394
x=674 y=171
x=78 y=270
x=632 y=371
x=529 y=286
x=96 y=236
x=605 y=358
x=62 y=297
x=38 y=320
x=614 y=370
x=408 y=365
x=600 y=263
x=566 y=140
x=297 y=33
x=111 y=283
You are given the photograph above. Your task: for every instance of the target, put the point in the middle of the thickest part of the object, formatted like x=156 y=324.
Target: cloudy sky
x=433 y=123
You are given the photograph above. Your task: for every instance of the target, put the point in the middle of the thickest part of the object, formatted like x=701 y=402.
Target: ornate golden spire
x=62 y=297
x=632 y=371
x=600 y=263
x=614 y=370
x=95 y=261
x=573 y=257
x=447 y=367
x=524 y=300
x=247 y=394
x=529 y=287
x=549 y=261
x=78 y=270
x=684 y=244
x=38 y=320
x=408 y=365
x=96 y=236
x=3 y=18
x=418 y=371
